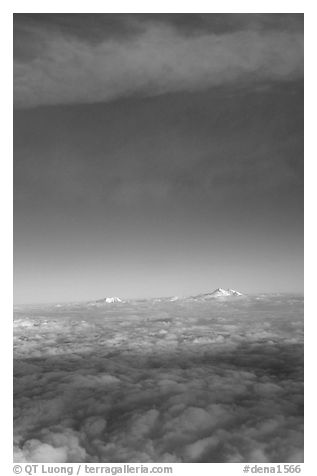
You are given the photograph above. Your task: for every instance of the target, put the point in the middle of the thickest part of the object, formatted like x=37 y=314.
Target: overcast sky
x=157 y=154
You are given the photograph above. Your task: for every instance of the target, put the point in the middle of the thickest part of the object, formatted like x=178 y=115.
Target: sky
x=157 y=154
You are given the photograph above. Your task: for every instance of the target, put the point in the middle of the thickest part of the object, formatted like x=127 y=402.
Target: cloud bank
x=159 y=59
x=164 y=382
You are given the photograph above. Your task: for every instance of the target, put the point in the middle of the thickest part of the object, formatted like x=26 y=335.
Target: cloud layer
x=164 y=382
x=159 y=58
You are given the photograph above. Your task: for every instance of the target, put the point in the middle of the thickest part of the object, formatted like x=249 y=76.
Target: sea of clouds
x=220 y=381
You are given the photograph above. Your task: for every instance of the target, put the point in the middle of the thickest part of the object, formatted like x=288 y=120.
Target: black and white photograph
x=158 y=166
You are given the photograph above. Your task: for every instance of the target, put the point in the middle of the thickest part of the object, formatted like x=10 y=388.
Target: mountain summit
x=217 y=293
x=110 y=300
x=106 y=300
x=220 y=292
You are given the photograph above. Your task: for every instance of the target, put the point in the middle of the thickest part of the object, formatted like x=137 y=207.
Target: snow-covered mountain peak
x=218 y=293
x=112 y=299
x=106 y=300
x=226 y=292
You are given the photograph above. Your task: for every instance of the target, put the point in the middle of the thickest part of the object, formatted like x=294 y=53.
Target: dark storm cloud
x=64 y=59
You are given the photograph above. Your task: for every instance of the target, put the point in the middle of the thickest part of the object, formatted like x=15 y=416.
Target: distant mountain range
x=218 y=293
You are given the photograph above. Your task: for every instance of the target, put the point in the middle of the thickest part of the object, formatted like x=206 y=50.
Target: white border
x=164 y=6
x=91 y=6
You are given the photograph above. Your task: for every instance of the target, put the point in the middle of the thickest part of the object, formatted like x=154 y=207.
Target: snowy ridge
x=218 y=293
x=106 y=300
x=226 y=292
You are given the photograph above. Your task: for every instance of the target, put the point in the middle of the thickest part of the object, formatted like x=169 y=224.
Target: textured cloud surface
x=58 y=67
x=160 y=382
